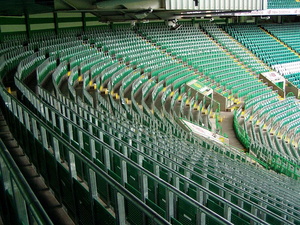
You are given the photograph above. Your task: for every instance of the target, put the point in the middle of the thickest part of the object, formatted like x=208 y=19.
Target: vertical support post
x=227 y=212
x=83 y=21
x=201 y=217
x=124 y=172
x=107 y=158
x=72 y=165
x=144 y=185
x=56 y=149
x=55 y=19
x=1 y=35
x=27 y=24
x=73 y=176
x=170 y=206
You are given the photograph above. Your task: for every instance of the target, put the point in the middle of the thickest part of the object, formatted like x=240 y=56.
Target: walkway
x=227 y=126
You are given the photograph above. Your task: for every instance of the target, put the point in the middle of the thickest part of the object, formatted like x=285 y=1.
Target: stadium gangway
x=117 y=78
x=173 y=103
x=210 y=193
x=119 y=111
x=119 y=107
x=165 y=97
x=182 y=105
x=20 y=205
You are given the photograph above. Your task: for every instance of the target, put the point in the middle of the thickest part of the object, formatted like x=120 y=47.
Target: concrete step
x=227 y=127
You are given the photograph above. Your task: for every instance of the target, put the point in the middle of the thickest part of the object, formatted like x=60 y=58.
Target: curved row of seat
x=289 y=36
x=159 y=67
x=198 y=50
x=237 y=49
x=86 y=140
x=45 y=147
x=98 y=157
x=277 y=133
x=277 y=121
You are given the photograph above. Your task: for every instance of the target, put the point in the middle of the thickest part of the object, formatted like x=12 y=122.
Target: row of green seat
x=199 y=52
x=45 y=68
x=278 y=118
x=110 y=159
x=234 y=47
x=59 y=75
x=88 y=141
x=59 y=168
x=30 y=64
x=127 y=46
x=260 y=43
x=283 y=4
x=77 y=124
x=72 y=81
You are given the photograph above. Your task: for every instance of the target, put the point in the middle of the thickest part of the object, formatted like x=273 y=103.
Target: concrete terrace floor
x=227 y=126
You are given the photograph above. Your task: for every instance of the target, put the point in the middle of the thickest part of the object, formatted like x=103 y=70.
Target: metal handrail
x=36 y=209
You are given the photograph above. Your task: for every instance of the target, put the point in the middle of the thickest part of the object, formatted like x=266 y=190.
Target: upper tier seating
x=137 y=53
x=106 y=166
x=287 y=33
x=198 y=50
x=276 y=54
x=237 y=49
x=283 y=4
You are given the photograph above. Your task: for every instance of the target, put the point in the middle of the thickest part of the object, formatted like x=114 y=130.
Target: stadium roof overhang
x=114 y=10
x=126 y=10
